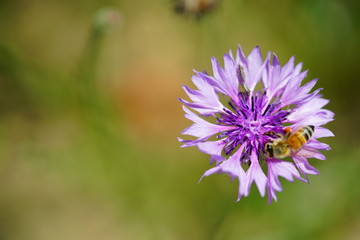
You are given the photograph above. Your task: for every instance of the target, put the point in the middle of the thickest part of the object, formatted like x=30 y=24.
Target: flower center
x=252 y=117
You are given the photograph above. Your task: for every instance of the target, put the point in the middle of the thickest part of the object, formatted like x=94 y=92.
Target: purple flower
x=249 y=103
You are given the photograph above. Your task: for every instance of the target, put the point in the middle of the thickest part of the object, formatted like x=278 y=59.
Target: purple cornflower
x=247 y=104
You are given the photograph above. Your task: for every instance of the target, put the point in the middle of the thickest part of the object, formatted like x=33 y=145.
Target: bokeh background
x=89 y=119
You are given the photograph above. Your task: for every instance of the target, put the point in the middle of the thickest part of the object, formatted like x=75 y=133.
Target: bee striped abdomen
x=296 y=141
x=300 y=138
x=308 y=131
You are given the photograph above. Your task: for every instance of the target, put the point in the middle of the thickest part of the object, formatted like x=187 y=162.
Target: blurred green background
x=89 y=120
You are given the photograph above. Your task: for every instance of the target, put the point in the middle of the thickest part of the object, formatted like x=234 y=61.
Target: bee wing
x=310 y=153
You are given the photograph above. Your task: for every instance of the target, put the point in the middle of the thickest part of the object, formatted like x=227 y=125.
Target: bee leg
x=272 y=134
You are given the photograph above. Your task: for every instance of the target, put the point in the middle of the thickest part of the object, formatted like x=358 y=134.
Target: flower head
x=252 y=103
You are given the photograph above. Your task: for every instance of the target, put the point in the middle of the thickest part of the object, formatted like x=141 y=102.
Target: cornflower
x=251 y=114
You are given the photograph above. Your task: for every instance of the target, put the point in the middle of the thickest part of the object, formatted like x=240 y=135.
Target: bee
x=290 y=143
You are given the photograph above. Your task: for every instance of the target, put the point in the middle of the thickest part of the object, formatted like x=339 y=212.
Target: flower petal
x=255 y=173
x=201 y=128
x=320 y=118
x=213 y=148
x=252 y=67
x=321 y=132
x=278 y=168
x=224 y=79
x=308 y=110
x=292 y=91
x=272 y=80
x=304 y=166
x=205 y=100
x=231 y=167
x=315 y=144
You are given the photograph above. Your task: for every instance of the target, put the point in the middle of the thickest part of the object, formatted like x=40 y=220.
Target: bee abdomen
x=308 y=132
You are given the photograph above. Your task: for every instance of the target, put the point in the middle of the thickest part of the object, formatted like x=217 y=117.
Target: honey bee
x=291 y=142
